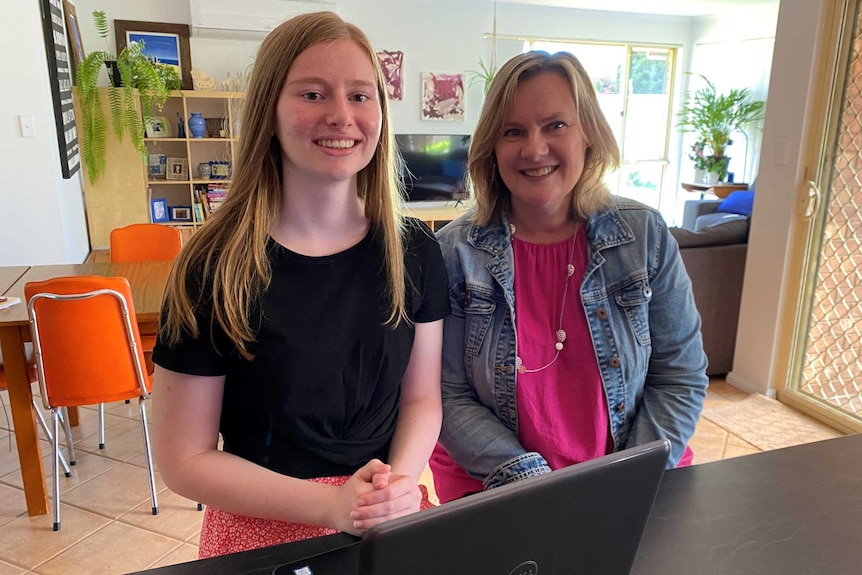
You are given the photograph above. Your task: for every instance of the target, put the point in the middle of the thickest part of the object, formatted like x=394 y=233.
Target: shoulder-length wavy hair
x=490 y=193
x=229 y=252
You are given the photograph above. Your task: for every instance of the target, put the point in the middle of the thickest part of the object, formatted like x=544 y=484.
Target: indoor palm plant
x=713 y=117
x=130 y=69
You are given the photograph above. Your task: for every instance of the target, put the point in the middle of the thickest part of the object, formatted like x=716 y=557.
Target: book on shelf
x=199 y=212
x=8 y=301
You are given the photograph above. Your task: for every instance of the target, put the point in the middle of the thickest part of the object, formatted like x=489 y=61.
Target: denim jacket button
x=614 y=361
x=621 y=407
x=602 y=312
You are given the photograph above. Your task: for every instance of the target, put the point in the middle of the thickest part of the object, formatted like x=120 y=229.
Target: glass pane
x=648 y=105
x=639 y=181
x=604 y=64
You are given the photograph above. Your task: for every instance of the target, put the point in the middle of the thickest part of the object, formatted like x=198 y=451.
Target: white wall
x=435 y=36
x=41 y=214
x=794 y=71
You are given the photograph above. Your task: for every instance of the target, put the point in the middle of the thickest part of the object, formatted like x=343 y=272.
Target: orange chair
x=142 y=243
x=145 y=243
x=88 y=351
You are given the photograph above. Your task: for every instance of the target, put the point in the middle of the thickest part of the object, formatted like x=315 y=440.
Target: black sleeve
x=430 y=293
x=203 y=355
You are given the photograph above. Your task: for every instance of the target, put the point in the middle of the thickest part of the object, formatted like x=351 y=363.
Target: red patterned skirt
x=223 y=532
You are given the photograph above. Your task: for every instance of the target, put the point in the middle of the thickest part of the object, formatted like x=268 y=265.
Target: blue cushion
x=740 y=202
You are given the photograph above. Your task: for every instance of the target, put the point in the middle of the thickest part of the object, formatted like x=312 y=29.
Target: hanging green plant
x=128 y=70
x=484 y=74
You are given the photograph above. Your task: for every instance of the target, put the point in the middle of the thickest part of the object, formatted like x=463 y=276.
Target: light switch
x=26 y=123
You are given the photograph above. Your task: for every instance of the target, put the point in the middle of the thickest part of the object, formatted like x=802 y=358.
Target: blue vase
x=197 y=125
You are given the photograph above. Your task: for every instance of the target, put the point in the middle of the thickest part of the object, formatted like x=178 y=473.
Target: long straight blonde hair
x=490 y=193
x=228 y=253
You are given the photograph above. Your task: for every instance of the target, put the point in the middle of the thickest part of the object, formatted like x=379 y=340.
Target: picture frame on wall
x=60 y=76
x=73 y=35
x=181 y=213
x=164 y=42
x=159 y=210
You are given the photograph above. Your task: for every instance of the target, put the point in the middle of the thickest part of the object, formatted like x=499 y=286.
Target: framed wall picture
x=181 y=213
x=177 y=169
x=163 y=42
x=157 y=127
x=159 y=210
x=60 y=74
x=73 y=35
x=392 y=63
x=443 y=97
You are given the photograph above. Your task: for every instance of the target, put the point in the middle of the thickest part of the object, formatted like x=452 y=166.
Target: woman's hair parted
x=489 y=191
x=228 y=253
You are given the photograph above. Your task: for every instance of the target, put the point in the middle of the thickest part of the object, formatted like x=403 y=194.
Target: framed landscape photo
x=159 y=210
x=181 y=213
x=163 y=42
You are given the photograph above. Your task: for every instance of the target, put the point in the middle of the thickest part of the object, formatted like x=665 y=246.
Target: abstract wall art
x=443 y=97
x=392 y=64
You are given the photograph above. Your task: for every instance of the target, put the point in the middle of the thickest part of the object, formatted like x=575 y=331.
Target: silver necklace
x=560 y=334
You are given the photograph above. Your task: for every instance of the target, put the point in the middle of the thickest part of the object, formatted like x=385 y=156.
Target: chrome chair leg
x=101 y=426
x=146 y=432
x=44 y=425
x=55 y=444
x=70 y=441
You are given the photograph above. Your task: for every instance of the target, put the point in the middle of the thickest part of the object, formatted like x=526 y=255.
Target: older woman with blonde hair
x=573 y=330
x=303 y=321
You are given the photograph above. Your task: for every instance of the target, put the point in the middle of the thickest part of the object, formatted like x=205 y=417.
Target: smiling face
x=541 y=150
x=329 y=113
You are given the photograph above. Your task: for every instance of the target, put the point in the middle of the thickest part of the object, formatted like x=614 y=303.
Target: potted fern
x=713 y=117
x=129 y=70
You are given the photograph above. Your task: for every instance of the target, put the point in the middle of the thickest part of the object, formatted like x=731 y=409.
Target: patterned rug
x=768 y=424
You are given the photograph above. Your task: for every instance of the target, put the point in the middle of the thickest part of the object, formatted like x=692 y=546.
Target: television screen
x=435 y=164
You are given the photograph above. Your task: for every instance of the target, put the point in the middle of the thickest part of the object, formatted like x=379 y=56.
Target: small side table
x=719 y=190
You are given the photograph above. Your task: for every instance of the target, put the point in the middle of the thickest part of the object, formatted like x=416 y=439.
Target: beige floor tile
x=30 y=541
x=114 y=492
x=720 y=387
x=737 y=441
x=7 y=569
x=87 y=467
x=178 y=517
x=118 y=548
x=12 y=504
x=9 y=454
x=87 y=430
x=123 y=441
x=181 y=554
x=708 y=431
x=737 y=451
x=706 y=451
x=194 y=539
x=126 y=410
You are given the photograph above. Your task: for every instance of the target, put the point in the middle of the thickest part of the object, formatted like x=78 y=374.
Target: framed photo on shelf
x=166 y=43
x=220 y=170
x=158 y=127
x=177 y=169
x=159 y=210
x=181 y=213
x=73 y=35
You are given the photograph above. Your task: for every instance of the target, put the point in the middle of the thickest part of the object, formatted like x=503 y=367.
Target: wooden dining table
x=147 y=280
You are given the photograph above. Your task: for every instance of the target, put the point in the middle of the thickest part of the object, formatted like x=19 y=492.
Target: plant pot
x=699 y=175
x=114 y=76
x=712 y=178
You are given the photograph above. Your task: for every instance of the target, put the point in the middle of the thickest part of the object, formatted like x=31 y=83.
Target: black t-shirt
x=321 y=396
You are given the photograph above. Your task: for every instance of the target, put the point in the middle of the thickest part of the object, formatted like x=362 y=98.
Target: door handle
x=810 y=201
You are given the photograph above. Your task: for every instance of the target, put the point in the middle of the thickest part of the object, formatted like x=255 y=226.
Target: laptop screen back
x=588 y=518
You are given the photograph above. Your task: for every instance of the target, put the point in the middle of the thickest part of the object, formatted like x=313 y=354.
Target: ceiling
x=662 y=7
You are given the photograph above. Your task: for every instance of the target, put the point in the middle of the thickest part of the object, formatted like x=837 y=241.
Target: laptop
x=587 y=518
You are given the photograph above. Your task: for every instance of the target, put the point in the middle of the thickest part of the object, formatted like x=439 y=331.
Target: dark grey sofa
x=713 y=247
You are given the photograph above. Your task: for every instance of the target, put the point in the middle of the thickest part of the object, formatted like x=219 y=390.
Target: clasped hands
x=374 y=494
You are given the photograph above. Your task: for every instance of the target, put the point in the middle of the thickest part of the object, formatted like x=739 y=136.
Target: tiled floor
x=107 y=525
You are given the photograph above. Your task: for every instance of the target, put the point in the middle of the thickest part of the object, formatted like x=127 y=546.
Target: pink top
x=562 y=410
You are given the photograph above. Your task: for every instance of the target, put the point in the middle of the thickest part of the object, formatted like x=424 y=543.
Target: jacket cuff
x=529 y=464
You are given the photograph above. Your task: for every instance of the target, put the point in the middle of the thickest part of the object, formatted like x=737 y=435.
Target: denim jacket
x=643 y=322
